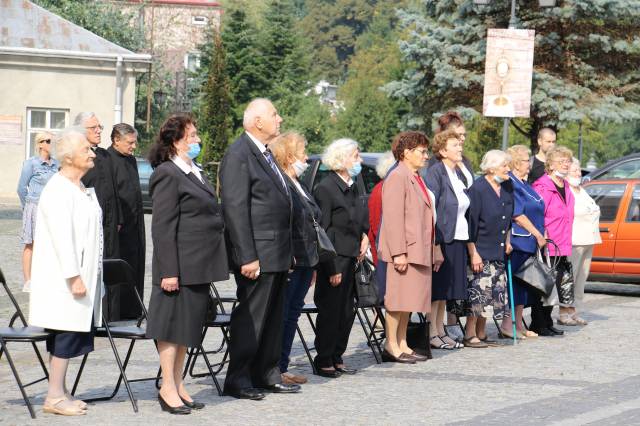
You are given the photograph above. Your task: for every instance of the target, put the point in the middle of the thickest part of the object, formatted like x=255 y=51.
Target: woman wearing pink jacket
x=558 y=222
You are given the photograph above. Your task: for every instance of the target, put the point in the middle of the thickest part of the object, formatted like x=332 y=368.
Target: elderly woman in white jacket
x=586 y=233
x=66 y=278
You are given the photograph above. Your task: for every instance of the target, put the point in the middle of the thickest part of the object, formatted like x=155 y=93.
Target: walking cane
x=513 y=311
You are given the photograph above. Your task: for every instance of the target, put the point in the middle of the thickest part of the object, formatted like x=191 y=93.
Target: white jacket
x=67 y=243
x=586 y=220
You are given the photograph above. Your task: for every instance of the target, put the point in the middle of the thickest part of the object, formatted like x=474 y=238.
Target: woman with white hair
x=586 y=233
x=66 y=279
x=36 y=172
x=344 y=217
x=490 y=212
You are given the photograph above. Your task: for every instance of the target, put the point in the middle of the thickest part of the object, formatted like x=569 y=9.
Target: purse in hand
x=366 y=287
x=538 y=272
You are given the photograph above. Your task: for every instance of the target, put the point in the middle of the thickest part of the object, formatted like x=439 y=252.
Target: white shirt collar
x=186 y=168
x=349 y=181
x=256 y=142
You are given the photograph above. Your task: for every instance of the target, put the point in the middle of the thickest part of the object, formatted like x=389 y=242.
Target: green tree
x=215 y=121
x=101 y=18
x=585 y=65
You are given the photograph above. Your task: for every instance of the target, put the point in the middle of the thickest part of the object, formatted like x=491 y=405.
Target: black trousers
x=335 y=313
x=256 y=332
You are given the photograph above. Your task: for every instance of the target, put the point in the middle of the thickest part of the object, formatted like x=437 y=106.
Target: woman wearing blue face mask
x=490 y=212
x=345 y=218
x=289 y=151
x=188 y=254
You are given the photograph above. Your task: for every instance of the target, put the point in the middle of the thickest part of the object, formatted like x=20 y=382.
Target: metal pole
x=513 y=23
x=580 y=143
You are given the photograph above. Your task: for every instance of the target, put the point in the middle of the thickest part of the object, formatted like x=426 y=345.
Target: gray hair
x=337 y=152
x=82 y=117
x=384 y=164
x=253 y=110
x=67 y=141
x=492 y=160
x=120 y=130
x=575 y=162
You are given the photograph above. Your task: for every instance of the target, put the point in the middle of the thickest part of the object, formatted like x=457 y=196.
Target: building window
x=42 y=119
x=199 y=20
x=192 y=61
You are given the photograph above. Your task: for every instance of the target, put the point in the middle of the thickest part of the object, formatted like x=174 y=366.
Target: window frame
x=625 y=187
x=29 y=149
x=199 y=20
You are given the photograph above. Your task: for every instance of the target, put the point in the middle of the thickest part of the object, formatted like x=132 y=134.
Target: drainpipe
x=117 y=108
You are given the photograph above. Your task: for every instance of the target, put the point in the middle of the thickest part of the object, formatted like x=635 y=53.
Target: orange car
x=618 y=257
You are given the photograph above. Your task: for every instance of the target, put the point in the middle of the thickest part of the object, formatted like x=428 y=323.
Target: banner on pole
x=508 y=73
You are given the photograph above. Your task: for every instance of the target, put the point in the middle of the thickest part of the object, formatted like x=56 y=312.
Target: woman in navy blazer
x=527 y=233
x=189 y=253
x=451 y=233
x=489 y=224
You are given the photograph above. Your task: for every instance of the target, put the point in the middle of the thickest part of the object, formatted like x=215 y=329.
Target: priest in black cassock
x=102 y=178
x=132 y=234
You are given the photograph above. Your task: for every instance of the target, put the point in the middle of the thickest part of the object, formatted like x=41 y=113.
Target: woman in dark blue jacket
x=289 y=151
x=490 y=215
x=527 y=233
x=451 y=233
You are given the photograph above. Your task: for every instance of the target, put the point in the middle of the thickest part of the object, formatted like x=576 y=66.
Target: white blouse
x=462 y=228
x=586 y=220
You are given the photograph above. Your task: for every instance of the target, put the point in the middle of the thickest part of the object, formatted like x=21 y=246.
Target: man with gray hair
x=124 y=140
x=102 y=179
x=257 y=214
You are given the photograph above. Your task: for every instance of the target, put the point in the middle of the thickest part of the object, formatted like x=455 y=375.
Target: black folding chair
x=118 y=272
x=374 y=337
x=308 y=310
x=23 y=334
x=221 y=321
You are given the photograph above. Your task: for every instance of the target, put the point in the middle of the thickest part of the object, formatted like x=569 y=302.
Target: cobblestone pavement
x=589 y=376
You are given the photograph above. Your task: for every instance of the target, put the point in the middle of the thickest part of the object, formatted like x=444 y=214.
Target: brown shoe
x=474 y=342
x=293 y=379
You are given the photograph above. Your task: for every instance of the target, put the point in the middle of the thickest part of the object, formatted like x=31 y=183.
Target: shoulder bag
x=538 y=272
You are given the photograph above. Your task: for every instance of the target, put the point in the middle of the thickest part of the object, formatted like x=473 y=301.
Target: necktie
x=269 y=156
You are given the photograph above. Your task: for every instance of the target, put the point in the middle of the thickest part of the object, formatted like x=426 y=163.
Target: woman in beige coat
x=406 y=242
x=66 y=278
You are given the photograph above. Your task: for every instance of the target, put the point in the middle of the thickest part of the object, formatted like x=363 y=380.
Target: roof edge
x=53 y=53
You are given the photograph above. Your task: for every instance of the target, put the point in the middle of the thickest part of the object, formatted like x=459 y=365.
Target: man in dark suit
x=257 y=210
x=124 y=139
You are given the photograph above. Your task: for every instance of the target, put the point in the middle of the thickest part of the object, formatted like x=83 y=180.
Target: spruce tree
x=585 y=64
x=215 y=120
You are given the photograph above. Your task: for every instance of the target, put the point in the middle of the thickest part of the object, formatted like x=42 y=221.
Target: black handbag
x=326 y=251
x=564 y=283
x=539 y=272
x=418 y=338
x=366 y=287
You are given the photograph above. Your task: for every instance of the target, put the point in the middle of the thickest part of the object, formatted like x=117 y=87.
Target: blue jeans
x=299 y=281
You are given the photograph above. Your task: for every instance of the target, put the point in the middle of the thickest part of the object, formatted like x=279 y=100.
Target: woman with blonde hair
x=558 y=222
x=527 y=234
x=289 y=151
x=36 y=172
x=66 y=280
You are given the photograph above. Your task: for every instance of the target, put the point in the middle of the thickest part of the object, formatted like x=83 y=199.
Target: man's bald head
x=261 y=119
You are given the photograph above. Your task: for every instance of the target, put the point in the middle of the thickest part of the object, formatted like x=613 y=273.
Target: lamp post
x=513 y=23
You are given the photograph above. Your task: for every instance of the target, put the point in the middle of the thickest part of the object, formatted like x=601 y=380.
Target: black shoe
x=556 y=331
x=345 y=370
x=246 y=393
x=544 y=332
x=331 y=374
x=183 y=409
x=282 y=388
x=193 y=404
x=402 y=359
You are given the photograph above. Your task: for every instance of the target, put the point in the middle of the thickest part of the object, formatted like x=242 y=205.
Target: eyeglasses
x=563 y=161
x=96 y=127
x=47 y=141
x=421 y=151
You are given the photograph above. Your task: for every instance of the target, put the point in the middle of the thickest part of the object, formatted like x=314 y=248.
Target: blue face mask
x=355 y=169
x=497 y=179
x=194 y=150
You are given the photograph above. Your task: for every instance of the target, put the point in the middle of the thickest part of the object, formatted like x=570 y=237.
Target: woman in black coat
x=188 y=254
x=345 y=218
x=289 y=151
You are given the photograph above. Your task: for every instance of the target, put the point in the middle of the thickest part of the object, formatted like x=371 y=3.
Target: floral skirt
x=487 y=288
x=29 y=213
